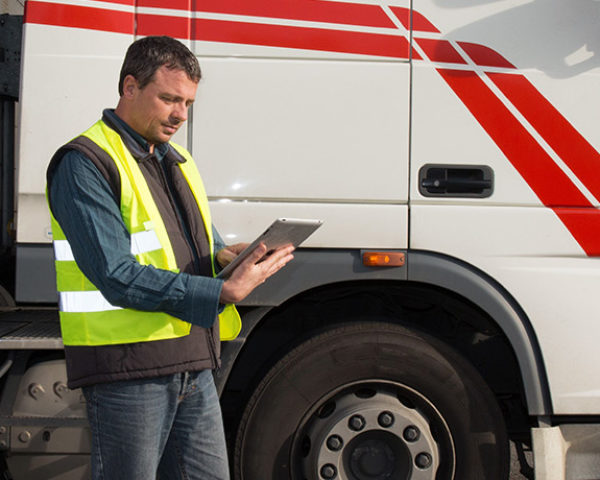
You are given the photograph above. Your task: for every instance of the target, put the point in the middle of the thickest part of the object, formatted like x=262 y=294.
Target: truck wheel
x=372 y=401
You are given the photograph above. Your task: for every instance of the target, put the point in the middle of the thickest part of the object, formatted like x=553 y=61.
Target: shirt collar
x=140 y=148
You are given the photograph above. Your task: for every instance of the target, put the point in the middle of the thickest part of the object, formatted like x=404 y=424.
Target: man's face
x=161 y=107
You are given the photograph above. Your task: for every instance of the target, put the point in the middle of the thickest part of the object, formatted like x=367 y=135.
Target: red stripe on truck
x=246 y=33
x=177 y=27
x=119 y=2
x=439 y=50
x=308 y=10
x=79 y=17
x=547 y=180
x=419 y=22
x=584 y=225
x=485 y=56
x=543 y=175
x=563 y=138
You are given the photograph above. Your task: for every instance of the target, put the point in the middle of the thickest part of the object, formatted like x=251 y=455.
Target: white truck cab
x=459 y=137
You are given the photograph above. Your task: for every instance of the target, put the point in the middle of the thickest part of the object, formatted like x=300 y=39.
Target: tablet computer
x=282 y=231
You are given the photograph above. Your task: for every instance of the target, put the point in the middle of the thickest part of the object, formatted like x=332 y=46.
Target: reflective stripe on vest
x=87 y=318
x=141 y=242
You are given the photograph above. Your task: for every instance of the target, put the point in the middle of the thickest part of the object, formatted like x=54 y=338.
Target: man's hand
x=250 y=274
x=227 y=254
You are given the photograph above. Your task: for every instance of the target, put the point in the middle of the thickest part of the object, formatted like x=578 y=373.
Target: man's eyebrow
x=174 y=97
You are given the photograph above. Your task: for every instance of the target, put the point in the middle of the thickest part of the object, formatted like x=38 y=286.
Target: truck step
x=23 y=328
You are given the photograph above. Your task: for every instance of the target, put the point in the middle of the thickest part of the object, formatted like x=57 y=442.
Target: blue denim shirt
x=86 y=209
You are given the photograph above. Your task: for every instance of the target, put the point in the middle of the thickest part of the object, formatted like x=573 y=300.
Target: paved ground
x=515 y=466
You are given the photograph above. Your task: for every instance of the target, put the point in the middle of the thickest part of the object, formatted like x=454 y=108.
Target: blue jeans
x=169 y=425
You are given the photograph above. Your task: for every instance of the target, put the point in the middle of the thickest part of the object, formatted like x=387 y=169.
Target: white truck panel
x=61 y=107
x=501 y=232
x=437 y=116
x=60 y=112
x=206 y=49
x=294 y=119
x=550 y=36
x=538 y=258
x=538 y=262
x=350 y=167
x=344 y=225
x=33 y=219
x=579 y=104
x=300 y=129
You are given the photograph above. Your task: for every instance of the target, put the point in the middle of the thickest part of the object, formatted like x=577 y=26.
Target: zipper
x=170 y=188
x=212 y=348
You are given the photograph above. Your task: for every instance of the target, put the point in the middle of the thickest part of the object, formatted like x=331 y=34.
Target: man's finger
x=225 y=256
x=258 y=253
x=278 y=260
x=237 y=248
x=280 y=253
x=280 y=265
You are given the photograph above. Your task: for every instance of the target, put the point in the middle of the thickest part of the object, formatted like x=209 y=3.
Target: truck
x=445 y=310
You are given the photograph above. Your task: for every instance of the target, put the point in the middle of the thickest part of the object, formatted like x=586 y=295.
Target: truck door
x=504 y=162
x=303 y=112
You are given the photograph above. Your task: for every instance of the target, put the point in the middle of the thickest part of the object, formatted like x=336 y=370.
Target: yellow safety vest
x=86 y=317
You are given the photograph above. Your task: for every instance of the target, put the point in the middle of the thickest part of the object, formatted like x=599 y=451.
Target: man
x=135 y=251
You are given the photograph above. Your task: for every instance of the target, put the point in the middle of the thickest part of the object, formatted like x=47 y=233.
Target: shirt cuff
x=201 y=303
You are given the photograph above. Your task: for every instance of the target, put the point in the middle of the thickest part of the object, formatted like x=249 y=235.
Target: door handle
x=456 y=185
x=456 y=181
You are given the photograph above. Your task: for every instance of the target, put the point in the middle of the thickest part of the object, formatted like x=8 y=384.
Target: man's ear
x=130 y=86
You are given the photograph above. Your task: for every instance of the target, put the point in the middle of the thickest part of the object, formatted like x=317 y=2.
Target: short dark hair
x=146 y=55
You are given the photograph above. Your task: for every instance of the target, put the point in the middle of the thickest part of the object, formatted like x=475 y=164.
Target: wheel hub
x=373 y=431
x=371 y=456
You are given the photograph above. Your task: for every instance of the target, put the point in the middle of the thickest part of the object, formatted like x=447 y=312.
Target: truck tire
x=372 y=401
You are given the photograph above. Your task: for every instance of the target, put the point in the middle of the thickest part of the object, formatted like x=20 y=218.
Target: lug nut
x=411 y=434
x=423 y=460
x=328 y=471
x=335 y=443
x=386 y=419
x=356 y=423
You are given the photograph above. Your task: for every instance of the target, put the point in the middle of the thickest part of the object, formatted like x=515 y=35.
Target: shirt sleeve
x=218 y=242
x=88 y=212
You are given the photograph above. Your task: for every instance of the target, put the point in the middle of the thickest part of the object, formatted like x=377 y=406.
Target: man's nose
x=180 y=112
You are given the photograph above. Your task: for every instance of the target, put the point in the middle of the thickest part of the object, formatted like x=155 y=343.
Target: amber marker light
x=383 y=259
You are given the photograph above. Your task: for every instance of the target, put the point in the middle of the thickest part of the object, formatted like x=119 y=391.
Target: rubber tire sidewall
x=365 y=351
